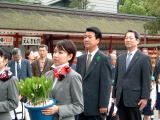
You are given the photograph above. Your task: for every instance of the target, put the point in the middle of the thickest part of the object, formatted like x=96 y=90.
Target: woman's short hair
x=68 y=46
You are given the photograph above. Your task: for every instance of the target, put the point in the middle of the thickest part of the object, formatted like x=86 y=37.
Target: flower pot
x=36 y=114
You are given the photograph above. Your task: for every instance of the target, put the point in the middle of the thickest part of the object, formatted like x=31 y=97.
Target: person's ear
x=138 y=41
x=70 y=57
x=98 y=40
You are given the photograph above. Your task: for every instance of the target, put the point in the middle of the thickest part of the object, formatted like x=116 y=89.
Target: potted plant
x=37 y=90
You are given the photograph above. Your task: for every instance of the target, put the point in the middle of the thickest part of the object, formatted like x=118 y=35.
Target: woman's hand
x=51 y=110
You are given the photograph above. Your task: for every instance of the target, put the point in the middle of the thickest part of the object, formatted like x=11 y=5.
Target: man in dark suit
x=20 y=67
x=132 y=79
x=43 y=64
x=95 y=69
x=156 y=71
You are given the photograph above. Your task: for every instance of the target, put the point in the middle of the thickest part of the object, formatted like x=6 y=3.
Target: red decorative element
x=60 y=74
x=6 y=75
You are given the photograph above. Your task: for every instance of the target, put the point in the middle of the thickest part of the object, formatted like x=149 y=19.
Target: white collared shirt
x=158 y=88
x=92 y=53
x=133 y=52
x=16 y=66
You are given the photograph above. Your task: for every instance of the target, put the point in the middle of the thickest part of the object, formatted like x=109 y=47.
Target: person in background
x=112 y=109
x=145 y=51
x=148 y=110
x=157 y=66
x=113 y=63
x=67 y=86
x=29 y=56
x=158 y=96
x=36 y=55
x=95 y=69
x=43 y=64
x=78 y=53
x=132 y=79
x=19 y=66
x=9 y=92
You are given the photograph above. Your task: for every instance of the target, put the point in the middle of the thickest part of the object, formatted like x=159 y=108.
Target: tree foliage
x=132 y=7
x=143 y=7
x=79 y=4
x=152 y=7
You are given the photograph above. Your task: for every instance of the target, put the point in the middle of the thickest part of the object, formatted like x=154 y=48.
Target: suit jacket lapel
x=92 y=64
x=21 y=68
x=134 y=59
x=45 y=64
x=123 y=62
x=13 y=68
x=38 y=64
x=84 y=65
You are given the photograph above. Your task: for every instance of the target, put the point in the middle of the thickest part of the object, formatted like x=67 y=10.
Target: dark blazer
x=36 y=67
x=25 y=71
x=156 y=71
x=96 y=82
x=133 y=82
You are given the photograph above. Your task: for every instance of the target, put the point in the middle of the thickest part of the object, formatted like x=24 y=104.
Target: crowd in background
x=98 y=80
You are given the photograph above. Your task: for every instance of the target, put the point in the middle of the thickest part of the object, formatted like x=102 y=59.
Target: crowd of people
x=97 y=87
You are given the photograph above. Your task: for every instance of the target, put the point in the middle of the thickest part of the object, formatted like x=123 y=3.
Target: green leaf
x=36 y=89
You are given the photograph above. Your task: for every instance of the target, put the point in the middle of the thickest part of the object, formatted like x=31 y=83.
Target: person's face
x=61 y=57
x=31 y=56
x=90 y=41
x=113 y=61
x=42 y=52
x=17 y=57
x=2 y=62
x=130 y=41
x=145 y=52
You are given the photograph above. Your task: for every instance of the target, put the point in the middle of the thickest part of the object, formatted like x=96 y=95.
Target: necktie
x=128 y=60
x=88 y=61
x=18 y=70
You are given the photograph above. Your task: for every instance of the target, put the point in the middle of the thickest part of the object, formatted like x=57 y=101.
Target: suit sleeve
x=77 y=66
x=146 y=77
x=156 y=69
x=29 y=69
x=12 y=101
x=105 y=82
x=76 y=106
x=115 y=80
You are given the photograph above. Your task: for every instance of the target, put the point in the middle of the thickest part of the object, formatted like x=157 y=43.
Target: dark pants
x=84 y=117
x=128 y=113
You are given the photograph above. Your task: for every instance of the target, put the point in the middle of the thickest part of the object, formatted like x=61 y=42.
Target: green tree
x=79 y=4
x=132 y=7
x=143 y=7
x=152 y=7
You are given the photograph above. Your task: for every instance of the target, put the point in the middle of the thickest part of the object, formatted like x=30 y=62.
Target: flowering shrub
x=36 y=89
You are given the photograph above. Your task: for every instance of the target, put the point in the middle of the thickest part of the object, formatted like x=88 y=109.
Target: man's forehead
x=130 y=34
x=42 y=48
x=16 y=55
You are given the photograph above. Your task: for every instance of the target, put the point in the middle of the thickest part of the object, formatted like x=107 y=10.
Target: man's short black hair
x=96 y=30
x=136 y=34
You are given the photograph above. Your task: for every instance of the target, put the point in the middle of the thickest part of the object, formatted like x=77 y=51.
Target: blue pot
x=36 y=114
